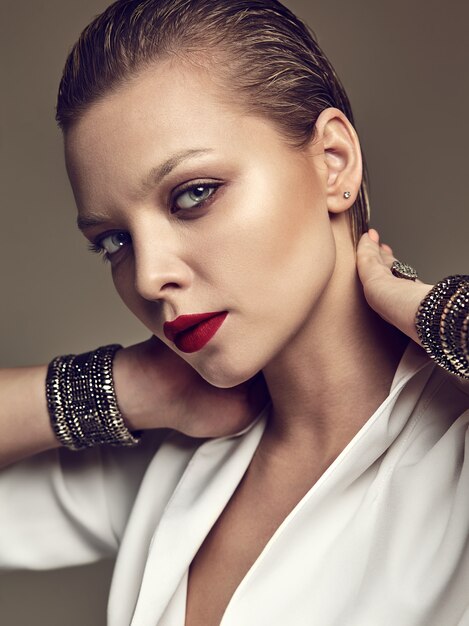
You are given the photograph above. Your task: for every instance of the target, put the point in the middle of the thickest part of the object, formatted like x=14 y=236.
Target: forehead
x=167 y=109
x=163 y=98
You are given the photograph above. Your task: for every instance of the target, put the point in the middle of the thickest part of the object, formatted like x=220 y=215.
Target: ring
x=402 y=270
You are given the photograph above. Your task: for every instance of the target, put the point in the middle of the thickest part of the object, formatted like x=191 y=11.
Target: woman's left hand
x=395 y=299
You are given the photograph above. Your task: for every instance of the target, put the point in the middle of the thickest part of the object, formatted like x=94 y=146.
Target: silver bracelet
x=442 y=324
x=82 y=402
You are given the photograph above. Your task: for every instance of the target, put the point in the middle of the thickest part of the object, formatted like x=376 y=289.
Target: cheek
x=269 y=262
x=271 y=243
x=124 y=282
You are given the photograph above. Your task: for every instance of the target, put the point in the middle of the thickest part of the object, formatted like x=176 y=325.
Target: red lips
x=190 y=333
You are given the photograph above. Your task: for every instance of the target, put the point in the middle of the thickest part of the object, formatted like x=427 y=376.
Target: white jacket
x=381 y=539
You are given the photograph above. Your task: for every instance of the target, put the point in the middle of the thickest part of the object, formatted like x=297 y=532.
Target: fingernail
x=373 y=235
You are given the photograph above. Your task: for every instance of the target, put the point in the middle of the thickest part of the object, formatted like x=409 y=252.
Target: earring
x=347 y=194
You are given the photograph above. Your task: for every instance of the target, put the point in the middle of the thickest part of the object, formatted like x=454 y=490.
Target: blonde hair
x=258 y=49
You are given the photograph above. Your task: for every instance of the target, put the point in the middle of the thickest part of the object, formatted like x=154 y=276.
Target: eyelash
x=191 y=187
x=96 y=246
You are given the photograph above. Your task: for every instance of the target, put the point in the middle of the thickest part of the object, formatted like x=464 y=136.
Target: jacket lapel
x=211 y=477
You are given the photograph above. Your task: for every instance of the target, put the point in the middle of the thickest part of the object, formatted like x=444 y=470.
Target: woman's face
x=202 y=208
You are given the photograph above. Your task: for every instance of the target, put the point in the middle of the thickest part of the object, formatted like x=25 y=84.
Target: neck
x=334 y=373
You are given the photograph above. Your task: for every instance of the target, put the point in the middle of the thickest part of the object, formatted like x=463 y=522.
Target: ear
x=341 y=152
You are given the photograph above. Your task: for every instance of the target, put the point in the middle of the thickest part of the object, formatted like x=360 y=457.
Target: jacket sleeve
x=63 y=508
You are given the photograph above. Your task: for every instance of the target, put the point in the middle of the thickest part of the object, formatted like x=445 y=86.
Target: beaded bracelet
x=82 y=402
x=442 y=323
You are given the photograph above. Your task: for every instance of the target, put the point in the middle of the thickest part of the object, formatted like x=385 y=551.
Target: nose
x=159 y=269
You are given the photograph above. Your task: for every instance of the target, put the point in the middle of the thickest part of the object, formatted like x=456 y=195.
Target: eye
x=193 y=196
x=112 y=243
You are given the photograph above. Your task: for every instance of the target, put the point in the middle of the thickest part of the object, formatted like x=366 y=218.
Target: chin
x=225 y=376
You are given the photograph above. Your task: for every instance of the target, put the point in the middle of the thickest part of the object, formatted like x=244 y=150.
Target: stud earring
x=347 y=194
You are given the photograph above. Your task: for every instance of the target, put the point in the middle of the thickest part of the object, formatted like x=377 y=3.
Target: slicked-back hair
x=262 y=54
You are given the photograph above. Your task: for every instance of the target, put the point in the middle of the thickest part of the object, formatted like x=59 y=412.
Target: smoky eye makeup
x=193 y=195
x=110 y=244
x=187 y=198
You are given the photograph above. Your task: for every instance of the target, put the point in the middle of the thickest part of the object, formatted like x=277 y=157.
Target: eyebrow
x=154 y=177
x=93 y=219
x=156 y=174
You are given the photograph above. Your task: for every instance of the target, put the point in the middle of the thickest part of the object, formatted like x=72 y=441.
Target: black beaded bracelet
x=442 y=323
x=82 y=402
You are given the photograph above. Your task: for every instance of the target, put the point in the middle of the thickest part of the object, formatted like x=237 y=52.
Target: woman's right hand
x=156 y=388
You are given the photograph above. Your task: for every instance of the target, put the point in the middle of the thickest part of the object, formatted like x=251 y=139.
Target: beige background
x=404 y=64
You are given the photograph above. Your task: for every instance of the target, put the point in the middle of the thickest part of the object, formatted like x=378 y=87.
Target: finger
x=383 y=250
x=368 y=244
x=386 y=248
x=370 y=264
x=368 y=250
x=374 y=236
x=387 y=255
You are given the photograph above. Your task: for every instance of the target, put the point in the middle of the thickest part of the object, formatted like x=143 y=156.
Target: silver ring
x=402 y=270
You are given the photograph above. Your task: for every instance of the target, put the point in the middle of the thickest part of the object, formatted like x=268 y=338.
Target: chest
x=231 y=548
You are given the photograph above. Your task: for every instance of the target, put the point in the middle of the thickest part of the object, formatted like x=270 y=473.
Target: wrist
x=82 y=403
x=442 y=324
x=143 y=390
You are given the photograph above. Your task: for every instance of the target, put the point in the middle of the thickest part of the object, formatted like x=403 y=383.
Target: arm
x=155 y=389
x=25 y=427
x=66 y=508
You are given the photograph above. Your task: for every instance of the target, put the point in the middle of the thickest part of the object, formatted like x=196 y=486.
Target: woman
x=220 y=175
